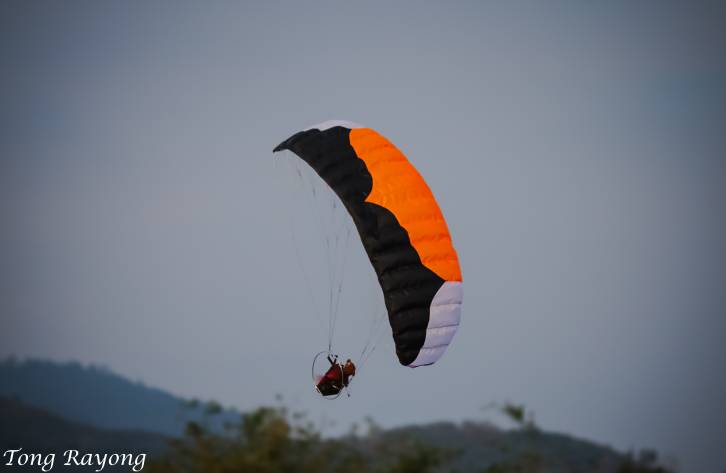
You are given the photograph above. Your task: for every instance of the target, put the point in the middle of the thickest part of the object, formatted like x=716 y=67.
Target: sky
x=576 y=149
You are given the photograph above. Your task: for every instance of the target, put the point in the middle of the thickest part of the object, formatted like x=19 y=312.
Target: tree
x=270 y=440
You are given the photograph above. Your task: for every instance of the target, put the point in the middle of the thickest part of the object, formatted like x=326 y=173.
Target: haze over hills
x=100 y=398
x=47 y=406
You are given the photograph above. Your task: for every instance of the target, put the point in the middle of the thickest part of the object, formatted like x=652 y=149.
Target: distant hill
x=100 y=398
x=477 y=446
x=38 y=431
x=50 y=407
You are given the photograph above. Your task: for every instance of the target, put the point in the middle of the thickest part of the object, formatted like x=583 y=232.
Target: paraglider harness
x=336 y=378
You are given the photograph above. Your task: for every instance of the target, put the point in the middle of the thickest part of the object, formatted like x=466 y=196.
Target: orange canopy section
x=398 y=187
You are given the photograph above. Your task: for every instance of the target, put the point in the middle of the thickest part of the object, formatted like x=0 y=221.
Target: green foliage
x=645 y=462
x=212 y=408
x=419 y=459
x=517 y=413
x=270 y=440
x=273 y=440
x=529 y=462
x=514 y=412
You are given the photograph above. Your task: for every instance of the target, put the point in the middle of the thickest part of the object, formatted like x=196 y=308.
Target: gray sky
x=576 y=150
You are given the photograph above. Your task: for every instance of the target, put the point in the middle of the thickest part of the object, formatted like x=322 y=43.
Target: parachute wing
x=402 y=229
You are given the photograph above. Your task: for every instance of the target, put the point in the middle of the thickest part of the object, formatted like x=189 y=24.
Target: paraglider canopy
x=402 y=230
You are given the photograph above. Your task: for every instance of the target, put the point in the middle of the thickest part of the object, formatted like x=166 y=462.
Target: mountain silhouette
x=98 y=397
x=38 y=431
x=50 y=407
